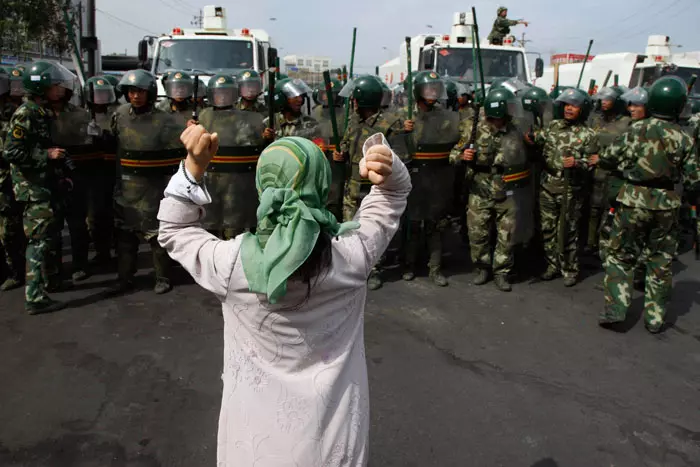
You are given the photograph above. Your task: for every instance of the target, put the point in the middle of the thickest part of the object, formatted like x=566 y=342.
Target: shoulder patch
x=18 y=132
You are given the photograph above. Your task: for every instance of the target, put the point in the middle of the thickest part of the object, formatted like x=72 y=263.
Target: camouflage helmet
x=139 y=79
x=222 y=90
x=99 y=91
x=114 y=81
x=178 y=85
x=4 y=82
x=367 y=92
x=43 y=75
x=428 y=85
x=534 y=98
x=667 y=97
x=499 y=103
x=578 y=98
x=249 y=84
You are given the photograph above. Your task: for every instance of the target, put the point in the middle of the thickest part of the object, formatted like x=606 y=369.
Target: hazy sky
x=313 y=27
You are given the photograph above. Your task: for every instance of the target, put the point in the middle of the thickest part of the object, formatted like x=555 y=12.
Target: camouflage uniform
x=148 y=151
x=256 y=107
x=489 y=203
x=36 y=188
x=69 y=132
x=652 y=156
x=606 y=184
x=231 y=174
x=434 y=136
x=356 y=188
x=303 y=126
x=12 y=238
x=501 y=28
x=335 y=196
x=181 y=111
x=560 y=139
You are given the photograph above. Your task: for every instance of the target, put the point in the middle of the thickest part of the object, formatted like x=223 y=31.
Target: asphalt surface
x=461 y=376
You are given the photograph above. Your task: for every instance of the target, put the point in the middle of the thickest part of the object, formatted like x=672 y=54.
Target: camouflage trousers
x=12 y=237
x=561 y=254
x=43 y=254
x=483 y=215
x=635 y=231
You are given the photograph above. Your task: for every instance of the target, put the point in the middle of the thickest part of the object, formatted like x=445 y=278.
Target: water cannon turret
x=214 y=18
x=658 y=48
x=461 y=32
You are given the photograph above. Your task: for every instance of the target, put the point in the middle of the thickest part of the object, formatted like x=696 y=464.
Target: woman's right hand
x=377 y=164
x=201 y=147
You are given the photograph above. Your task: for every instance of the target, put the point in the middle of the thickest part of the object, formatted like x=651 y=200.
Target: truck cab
x=453 y=56
x=208 y=51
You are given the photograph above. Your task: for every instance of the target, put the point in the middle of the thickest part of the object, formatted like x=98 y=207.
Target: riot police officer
x=179 y=89
x=435 y=132
x=290 y=97
x=231 y=174
x=497 y=170
x=249 y=89
x=35 y=180
x=148 y=151
x=366 y=95
x=567 y=144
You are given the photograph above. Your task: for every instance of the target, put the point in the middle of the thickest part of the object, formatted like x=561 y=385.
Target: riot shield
x=518 y=183
x=435 y=134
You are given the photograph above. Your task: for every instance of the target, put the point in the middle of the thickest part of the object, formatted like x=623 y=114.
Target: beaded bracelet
x=184 y=172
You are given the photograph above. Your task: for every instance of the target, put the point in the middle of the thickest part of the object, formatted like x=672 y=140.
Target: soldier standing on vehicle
x=33 y=164
x=179 y=89
x=249 y=89
x=501 y=27
x=12 y=239
x=652 y=156
x=366 y=94
x=610 y=122
x=496 y=167
x=435 y=133
x=231 y=176
x=290 y=96
x=149 y=151
x=566 y=144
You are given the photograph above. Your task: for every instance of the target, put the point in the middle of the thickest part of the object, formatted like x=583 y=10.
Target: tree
x=25 y=21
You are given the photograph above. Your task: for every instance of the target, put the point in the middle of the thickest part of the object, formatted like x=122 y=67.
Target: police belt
x=432 y=154
x=165 y=161
x=656 y=183
x=235 y=159
x=83 y=153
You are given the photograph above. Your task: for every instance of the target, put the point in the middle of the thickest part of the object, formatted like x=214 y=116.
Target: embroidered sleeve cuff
x=183 y=189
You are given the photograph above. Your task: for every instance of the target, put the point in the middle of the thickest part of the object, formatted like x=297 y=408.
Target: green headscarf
x=293 y=178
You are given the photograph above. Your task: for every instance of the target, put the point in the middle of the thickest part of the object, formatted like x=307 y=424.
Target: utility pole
x=198 y=20
x=91 y=39
x=523 y=42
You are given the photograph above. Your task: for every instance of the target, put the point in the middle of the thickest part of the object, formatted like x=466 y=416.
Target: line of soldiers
x=516 y=166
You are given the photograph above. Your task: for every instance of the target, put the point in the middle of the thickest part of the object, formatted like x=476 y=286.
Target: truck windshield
x=651 y=74
x=457 y=63
x=204 y=56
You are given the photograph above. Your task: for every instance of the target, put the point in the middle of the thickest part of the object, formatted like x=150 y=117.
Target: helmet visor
x=433 y=91
x=103 y=96
x=296 y=88
x=250 y=90
x=514 y=85
x=636 y=96
x=606 y=94
x=62 y=76
x=347 y=90
x=222 y=97
x=572 y=97
x=179 y=89
x=386 y=97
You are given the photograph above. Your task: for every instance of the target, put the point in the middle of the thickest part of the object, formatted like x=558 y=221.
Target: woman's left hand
x=377 y=164
x=201 y=147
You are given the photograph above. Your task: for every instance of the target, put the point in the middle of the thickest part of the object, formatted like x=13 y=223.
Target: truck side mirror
x=539 y=67
x=271 y=57
x=428 y=59
x=143 y=50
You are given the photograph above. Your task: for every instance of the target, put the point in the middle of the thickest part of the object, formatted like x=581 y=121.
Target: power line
x=176 y=8
x=186 y=4
x=124 y=21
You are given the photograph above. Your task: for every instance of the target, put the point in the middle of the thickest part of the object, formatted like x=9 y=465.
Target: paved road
x=463 y=376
